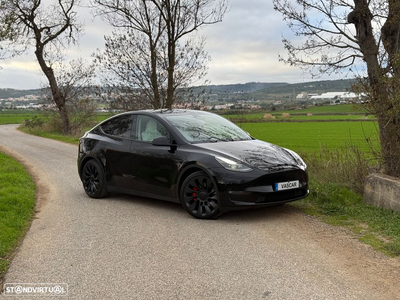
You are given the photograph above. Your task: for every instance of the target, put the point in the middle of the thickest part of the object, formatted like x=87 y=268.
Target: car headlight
x=298 y=159
x=233 y=165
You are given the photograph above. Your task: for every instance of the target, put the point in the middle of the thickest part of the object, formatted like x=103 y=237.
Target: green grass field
x=17 y=201
x=278 y=117
x=308 y=137
x=330 y=109
x=17 y=116
x=346 y=111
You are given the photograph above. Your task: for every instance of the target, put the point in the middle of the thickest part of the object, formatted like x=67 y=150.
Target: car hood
x=256 y=153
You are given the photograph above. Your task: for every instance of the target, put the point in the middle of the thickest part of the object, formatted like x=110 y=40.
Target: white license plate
x=281 y=186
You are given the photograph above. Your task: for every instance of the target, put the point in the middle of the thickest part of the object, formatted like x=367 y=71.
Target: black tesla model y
x=196 y=158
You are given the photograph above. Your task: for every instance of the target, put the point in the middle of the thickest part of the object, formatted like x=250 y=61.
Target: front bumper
x=256 y=188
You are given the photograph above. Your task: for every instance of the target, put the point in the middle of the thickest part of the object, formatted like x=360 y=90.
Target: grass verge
x=17 y=202
x=340 y=206
x=51 y=135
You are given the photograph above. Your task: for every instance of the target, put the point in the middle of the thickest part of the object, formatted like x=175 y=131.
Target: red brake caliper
x=194 y=194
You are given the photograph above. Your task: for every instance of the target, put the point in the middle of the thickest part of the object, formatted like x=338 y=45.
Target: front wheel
x=93 y=180
x=199 y=196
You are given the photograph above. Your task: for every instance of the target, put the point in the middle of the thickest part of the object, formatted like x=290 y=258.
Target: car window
x=119 y=126
x=204 y=127
x=149 y=128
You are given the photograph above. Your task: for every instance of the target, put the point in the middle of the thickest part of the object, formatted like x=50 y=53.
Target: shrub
x=33 y=122
x=347 y=166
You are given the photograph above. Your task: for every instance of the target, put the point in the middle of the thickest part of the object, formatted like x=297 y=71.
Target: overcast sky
x=244 y=47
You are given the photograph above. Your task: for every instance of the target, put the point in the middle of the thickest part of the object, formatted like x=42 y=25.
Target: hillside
x=250 y=90
x=12 y=93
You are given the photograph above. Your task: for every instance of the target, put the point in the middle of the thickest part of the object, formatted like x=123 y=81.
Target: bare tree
x=77 y=86
x=345 y=35
x=46 y=27
x=155 y=43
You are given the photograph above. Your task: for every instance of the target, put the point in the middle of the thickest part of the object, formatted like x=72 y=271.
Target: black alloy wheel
x=199 y=196
x=93 y=180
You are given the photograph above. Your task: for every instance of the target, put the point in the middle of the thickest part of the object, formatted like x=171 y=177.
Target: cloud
x=244 y=47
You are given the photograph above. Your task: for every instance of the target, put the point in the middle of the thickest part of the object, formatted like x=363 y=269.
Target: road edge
x=42 y=190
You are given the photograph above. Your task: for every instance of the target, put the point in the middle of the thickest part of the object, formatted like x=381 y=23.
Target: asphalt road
x=124 y=247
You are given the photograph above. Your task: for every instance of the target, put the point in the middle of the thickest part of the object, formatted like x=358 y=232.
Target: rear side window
x=119 y=126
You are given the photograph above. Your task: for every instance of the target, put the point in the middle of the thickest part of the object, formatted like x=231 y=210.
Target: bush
x=347 y=166
x=34 y=122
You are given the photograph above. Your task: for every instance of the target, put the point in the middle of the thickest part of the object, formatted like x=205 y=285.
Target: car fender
x=98 y=158
x=189 y=168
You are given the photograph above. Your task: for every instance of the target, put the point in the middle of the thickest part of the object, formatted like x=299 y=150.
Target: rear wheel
x=199 y=196
x=93 y=180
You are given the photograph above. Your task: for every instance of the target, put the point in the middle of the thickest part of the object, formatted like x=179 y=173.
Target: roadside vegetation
x=17 y=202
x=336 y=186
x=47 y=125
x=16 y=116
x=339 y=154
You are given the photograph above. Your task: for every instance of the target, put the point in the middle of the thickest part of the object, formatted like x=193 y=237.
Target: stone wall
x=382 y=190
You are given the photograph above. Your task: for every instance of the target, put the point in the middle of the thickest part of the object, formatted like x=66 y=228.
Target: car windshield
x=204 y=127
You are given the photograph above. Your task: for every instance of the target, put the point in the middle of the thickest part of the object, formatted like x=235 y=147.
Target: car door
x=116 y=150
x=155 y=167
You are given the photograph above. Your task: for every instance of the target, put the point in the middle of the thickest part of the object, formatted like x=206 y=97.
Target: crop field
x=315 y=136
x=330 y=109
x=278 y=117
x=16 y=116
x=319 y=113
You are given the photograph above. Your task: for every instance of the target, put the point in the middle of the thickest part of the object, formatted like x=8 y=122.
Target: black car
x=193 y=157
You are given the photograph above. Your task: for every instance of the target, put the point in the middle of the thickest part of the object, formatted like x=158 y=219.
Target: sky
x=244 y=47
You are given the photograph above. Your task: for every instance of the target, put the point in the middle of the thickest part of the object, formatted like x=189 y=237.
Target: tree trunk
x=381 y=98
x=170 y=22
x=171 y=70
x=55 y=91
x=389 y=121
x=154 y=79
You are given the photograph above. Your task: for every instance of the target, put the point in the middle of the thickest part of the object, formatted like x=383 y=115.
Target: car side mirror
x=163 y=141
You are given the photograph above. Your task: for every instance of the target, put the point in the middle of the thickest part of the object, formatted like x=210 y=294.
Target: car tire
x=199 y=196
x=93 y=179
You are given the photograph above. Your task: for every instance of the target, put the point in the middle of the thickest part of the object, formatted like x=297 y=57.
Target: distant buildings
x=332 y=97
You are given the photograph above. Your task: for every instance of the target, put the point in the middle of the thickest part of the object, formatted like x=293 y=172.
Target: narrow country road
x=124 y=247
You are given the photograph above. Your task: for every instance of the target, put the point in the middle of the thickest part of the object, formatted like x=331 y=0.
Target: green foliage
x=17 y=201
x=34 y=122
